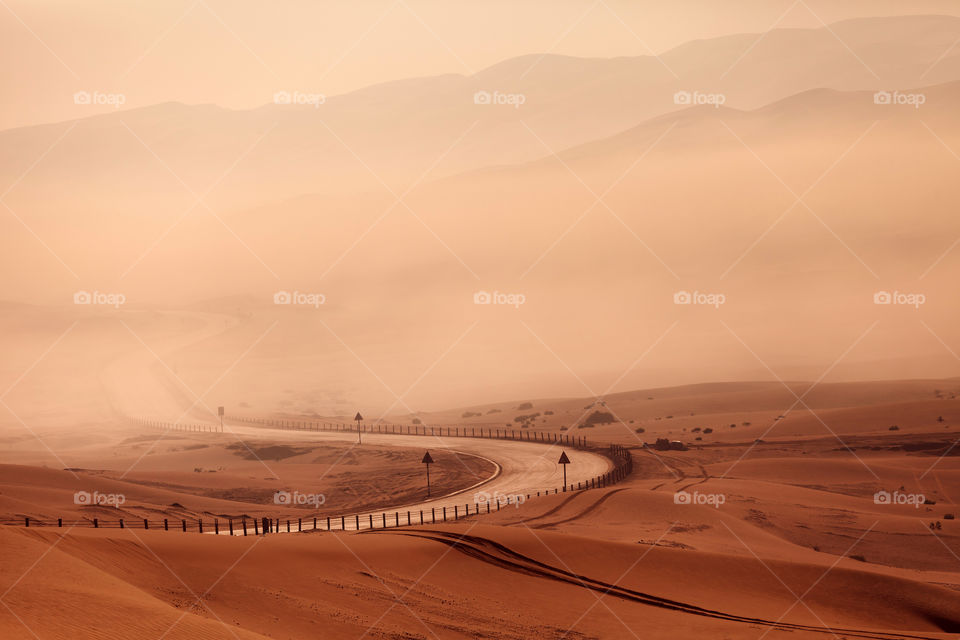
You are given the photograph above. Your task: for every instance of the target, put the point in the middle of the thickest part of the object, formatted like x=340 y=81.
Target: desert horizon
x=418 y=319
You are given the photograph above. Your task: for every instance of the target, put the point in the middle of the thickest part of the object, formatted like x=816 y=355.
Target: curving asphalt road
x=139 y=383
x=523 y=468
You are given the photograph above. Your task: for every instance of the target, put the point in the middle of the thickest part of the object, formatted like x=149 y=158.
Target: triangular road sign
x=563 y=458
x=427 y=459
x=358 y=417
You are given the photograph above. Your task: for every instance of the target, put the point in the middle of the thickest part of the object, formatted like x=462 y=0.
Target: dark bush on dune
x=523 y=406
x=599 y=417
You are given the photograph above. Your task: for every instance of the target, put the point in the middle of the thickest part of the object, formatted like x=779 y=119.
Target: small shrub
x=523 y=406
x=708 y=430
x=948 y=516
x=894 y=427
x=640 y=430
x=858 y=557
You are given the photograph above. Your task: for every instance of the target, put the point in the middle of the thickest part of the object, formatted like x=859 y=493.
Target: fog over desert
x=420 y=319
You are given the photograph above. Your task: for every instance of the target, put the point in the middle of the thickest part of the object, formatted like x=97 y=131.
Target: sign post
x=427 y=460
x=564 y=460
x=358 y=418
x=220 y=413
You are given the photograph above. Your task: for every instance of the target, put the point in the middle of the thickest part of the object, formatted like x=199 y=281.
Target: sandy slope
x=344 y=585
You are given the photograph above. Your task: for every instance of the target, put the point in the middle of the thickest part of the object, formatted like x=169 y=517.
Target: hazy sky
x=237 y=53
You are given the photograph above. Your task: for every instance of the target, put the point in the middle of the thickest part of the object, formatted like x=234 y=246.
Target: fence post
x=421 y=516
x=184 y=524
x=488 y=506
x=288 y=526
x=444 y=514
x=26 y=521
x=384 y=520
x=96 y=524
x=244 y=521
x=299 y=524
x=60 y=522
x=455 y=516
x=408 y=518
x=328 y=523
x=166 y=525
x=145 y=524
x=200 y=524
x=314 y=523
x=357 y=519
x=343 y=523
x=230 y=521
x=396 y=517
x=433 y=516
x=121 y=523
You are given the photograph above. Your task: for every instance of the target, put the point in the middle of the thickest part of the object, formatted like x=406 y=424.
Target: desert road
x=523 y=468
